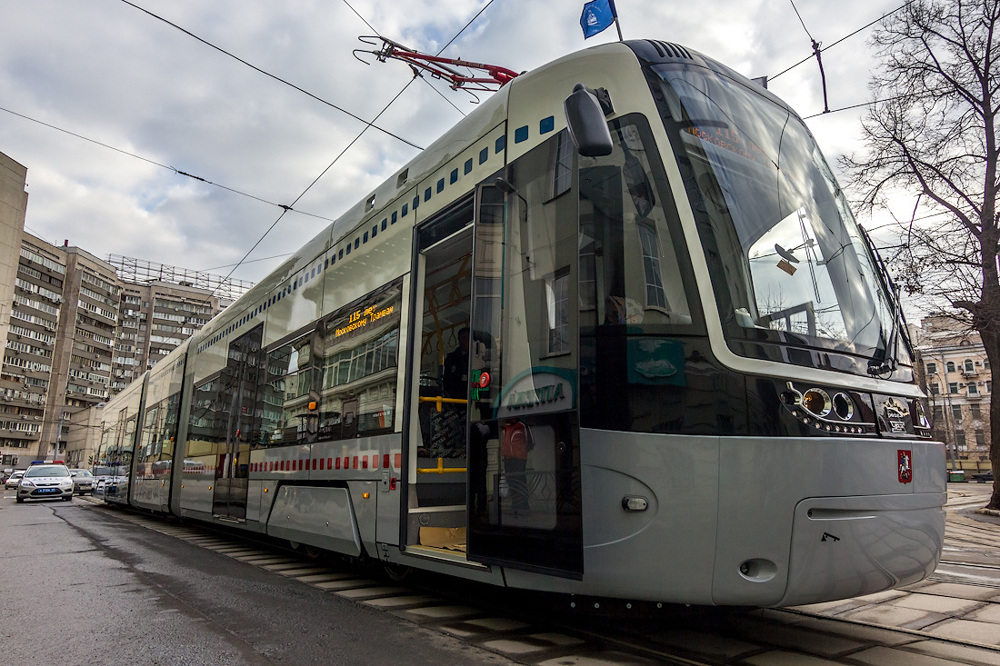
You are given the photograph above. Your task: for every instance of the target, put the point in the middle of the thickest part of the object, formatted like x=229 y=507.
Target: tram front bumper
x=843 y=547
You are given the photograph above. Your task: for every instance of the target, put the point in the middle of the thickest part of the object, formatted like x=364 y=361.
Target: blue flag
x=598 y=15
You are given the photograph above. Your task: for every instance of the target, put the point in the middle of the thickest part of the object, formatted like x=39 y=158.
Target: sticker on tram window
x=655 y=361
x=905 y=465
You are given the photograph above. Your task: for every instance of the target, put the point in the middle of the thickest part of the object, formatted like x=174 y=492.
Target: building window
x=973 y=389
x=976 y=414
x=932 y=368
x=980 y=438
x=953 y=388
x=956 y=413
x=989 y=386
x=651 y=265
x=934 y=388
x=950 y=367
x=969 y=365
x=557 y=302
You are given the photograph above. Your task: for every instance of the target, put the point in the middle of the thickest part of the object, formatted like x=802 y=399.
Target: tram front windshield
x=788 y=263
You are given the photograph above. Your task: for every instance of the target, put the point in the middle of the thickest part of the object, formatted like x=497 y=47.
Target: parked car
x=46 y=481
x=83 y=481
x=14 y=480
x=983 y=477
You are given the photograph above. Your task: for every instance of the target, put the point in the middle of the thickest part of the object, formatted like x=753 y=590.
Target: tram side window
x=286 y=393
x=207 y=422
x=127 y=444
x=629 y=271
x=115 y=453
x=222 y=407
x=540 y=256
x=337 y=381
x=358 y=348
x=156 y=441
x=638 y=313
x=152 y=426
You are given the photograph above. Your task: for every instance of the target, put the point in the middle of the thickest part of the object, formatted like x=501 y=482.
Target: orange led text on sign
x=361 y=318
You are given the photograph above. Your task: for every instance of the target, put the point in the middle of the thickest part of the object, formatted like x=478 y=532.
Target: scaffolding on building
x=139 y=271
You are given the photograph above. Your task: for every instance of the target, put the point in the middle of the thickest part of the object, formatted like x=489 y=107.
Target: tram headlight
x=817 y=402
x=843 y=406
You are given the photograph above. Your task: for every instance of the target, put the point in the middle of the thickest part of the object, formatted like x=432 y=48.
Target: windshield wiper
x=885 y=360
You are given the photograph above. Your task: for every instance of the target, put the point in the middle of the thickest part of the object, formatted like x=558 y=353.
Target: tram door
x=524 y=502
x=437 y=486
x=239 y=389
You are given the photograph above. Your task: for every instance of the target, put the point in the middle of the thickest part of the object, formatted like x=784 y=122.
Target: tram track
x=534 y=628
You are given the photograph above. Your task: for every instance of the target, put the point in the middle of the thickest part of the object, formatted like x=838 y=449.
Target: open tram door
x=436 y=485
x=494 y=473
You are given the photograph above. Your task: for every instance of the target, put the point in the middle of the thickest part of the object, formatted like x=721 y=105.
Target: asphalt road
x=82 y=586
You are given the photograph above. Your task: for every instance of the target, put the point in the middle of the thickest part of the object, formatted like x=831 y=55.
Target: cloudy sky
x=117 y=75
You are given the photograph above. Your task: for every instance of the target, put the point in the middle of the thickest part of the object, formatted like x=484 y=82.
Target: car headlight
x=27 y=484
x=66 y=484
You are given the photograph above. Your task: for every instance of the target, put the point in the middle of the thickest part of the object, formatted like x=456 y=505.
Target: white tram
x=683 y=381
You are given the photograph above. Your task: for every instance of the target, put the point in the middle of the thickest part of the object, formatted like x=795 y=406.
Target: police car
x=46 y=480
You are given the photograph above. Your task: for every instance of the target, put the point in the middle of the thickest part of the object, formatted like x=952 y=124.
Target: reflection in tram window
x=337 y=381
x=357 y=349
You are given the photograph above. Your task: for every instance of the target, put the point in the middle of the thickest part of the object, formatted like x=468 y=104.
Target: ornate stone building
x=955 y=373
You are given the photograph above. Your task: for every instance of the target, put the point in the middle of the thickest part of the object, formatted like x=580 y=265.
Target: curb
x=988 y=512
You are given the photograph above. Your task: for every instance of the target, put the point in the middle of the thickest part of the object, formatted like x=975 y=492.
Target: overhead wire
x=355 y=140
x=159 y=164
x=270 y=75
x=372 y=28
x=848 y=36
x=801 y=21
x=818 y=52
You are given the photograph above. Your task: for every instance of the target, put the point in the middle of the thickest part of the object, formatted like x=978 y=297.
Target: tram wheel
x=311 y=552
x=397 y=573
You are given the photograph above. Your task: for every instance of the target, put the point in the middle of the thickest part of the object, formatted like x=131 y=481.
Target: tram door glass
x=524 y=500
x=238 y=384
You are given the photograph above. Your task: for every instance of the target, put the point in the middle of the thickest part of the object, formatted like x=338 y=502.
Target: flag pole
x=618 y=27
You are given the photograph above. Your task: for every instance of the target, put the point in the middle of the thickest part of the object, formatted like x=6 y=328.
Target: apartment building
x=955 y=373
x=30 y=351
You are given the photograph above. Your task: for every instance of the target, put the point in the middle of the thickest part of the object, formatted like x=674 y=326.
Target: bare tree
x=932 y=131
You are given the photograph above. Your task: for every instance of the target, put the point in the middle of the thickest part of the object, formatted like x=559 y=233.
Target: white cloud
x=119 y=76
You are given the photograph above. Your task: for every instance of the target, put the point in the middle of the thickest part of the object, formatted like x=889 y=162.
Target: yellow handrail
x=440 y=469
x=440 y=399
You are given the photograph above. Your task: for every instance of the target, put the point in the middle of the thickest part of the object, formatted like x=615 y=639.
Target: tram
x=616 y=333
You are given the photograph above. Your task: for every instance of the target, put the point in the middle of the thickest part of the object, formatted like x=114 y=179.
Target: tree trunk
x=991 y=344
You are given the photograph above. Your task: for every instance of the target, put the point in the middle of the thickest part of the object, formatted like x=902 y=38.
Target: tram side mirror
x=585 y=120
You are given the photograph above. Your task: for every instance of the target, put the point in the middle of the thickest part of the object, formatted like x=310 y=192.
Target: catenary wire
x=273 y=76
x=372 y=28
x=159 y=164
x=808 y=34
x=342 y=152
x=830 y=46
